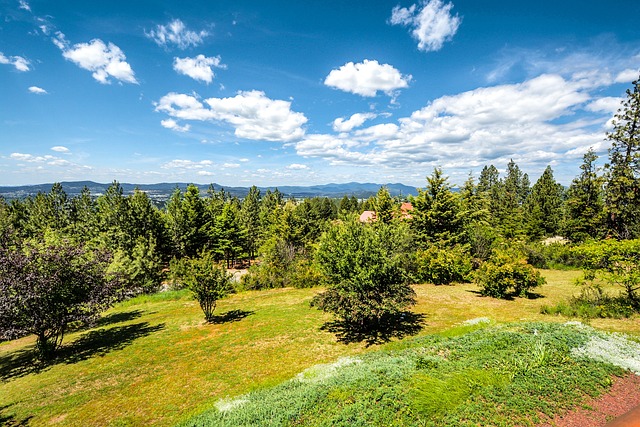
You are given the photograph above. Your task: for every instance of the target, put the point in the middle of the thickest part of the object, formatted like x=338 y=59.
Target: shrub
x=592 y=302
x=366 y=283
x=616 y=262
x=442 y=266
x=45 y=289
x=506 y=275
x=207 y=281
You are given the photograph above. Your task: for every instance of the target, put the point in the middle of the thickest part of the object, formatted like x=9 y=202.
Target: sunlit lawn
x=155 y=361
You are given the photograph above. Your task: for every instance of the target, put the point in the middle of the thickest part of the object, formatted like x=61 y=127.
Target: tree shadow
x=107 y=320
x=510 y=296
x=93 y=343
x=10 y=420
x=122 y=317
x=397 y=326
x=102 y=341
x=230 y=316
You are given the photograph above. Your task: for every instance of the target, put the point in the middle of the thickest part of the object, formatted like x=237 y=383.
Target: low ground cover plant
x=513 y=374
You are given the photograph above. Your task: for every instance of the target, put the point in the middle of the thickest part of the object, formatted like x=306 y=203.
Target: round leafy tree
x=207 y=282
x=366 y=283
x=44 y=290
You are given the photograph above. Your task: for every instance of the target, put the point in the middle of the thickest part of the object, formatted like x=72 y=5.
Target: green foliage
x=622 y=192
x=384 y=206
x=436 y=396
x=45 y=289
x=139 y=270
x=207 y=282
x=543 y=206
x=557 y=255
x=584 y=207
x=443 y=266
x=509 y=375
x=593 y=302
x=436 y=213
x=507 y=274
x=365 y=281
x=615 y=262
x=299 y=273
x=178 y=268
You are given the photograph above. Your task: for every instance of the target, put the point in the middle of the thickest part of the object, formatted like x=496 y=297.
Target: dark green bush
x=442 y=266
x=507 y=275
x=365 y=281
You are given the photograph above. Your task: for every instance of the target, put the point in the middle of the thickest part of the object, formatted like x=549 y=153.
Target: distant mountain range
x=161 y=192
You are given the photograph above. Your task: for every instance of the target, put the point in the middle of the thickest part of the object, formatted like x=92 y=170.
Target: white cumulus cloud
x=20 y=63
x=252 y=114
x=431 y=23
x=60 y=149
x=367 y=78
x=173 y=125
x=176 y=33
x=627 y=76
x=198 y=68
x=356 y=120
x=104 y=60
x=24 y=5
x=37 y=90
x=471 y=129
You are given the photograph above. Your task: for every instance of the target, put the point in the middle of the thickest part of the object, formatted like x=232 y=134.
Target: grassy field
x=153 y=360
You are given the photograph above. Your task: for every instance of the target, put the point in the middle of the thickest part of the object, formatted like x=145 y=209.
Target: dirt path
x=623 y=396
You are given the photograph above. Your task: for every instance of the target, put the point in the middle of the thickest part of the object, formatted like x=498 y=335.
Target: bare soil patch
x=623 y=396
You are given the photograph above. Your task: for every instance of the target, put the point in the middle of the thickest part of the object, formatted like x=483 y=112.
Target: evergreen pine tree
x=584 y=207
x=622 y=192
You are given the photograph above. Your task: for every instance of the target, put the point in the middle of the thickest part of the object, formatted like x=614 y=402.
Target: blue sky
x=297 y=93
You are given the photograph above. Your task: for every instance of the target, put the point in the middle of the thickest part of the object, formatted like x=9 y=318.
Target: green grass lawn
x=153 y=359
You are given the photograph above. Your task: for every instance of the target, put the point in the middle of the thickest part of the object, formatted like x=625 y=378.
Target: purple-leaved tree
x=45 y=289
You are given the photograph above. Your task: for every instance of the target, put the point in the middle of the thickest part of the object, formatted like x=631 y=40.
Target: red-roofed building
x=368 y=216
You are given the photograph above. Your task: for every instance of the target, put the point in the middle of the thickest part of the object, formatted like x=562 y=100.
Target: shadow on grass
x=230 y=316
x=509 y=297
x=398 y=326
x=10 y=420
x=93 y=343
x=114 y=318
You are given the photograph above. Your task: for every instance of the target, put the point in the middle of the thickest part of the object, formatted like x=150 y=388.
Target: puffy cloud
x=173 y=125
x=20 y=63
x=47 y=159
x=252 y=114
x=230 y=165
x=367 y=78
x=431 y=22
x=627 y=76
x=105 y=60
x=176 y=33
x=37 y=90
x=24 y=5
x=609 y=104
x=470 y=129
x=60 y=149
x=356 y=120
x=198 y=68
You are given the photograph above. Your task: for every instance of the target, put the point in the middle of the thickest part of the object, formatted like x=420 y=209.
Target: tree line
x=445 y=236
